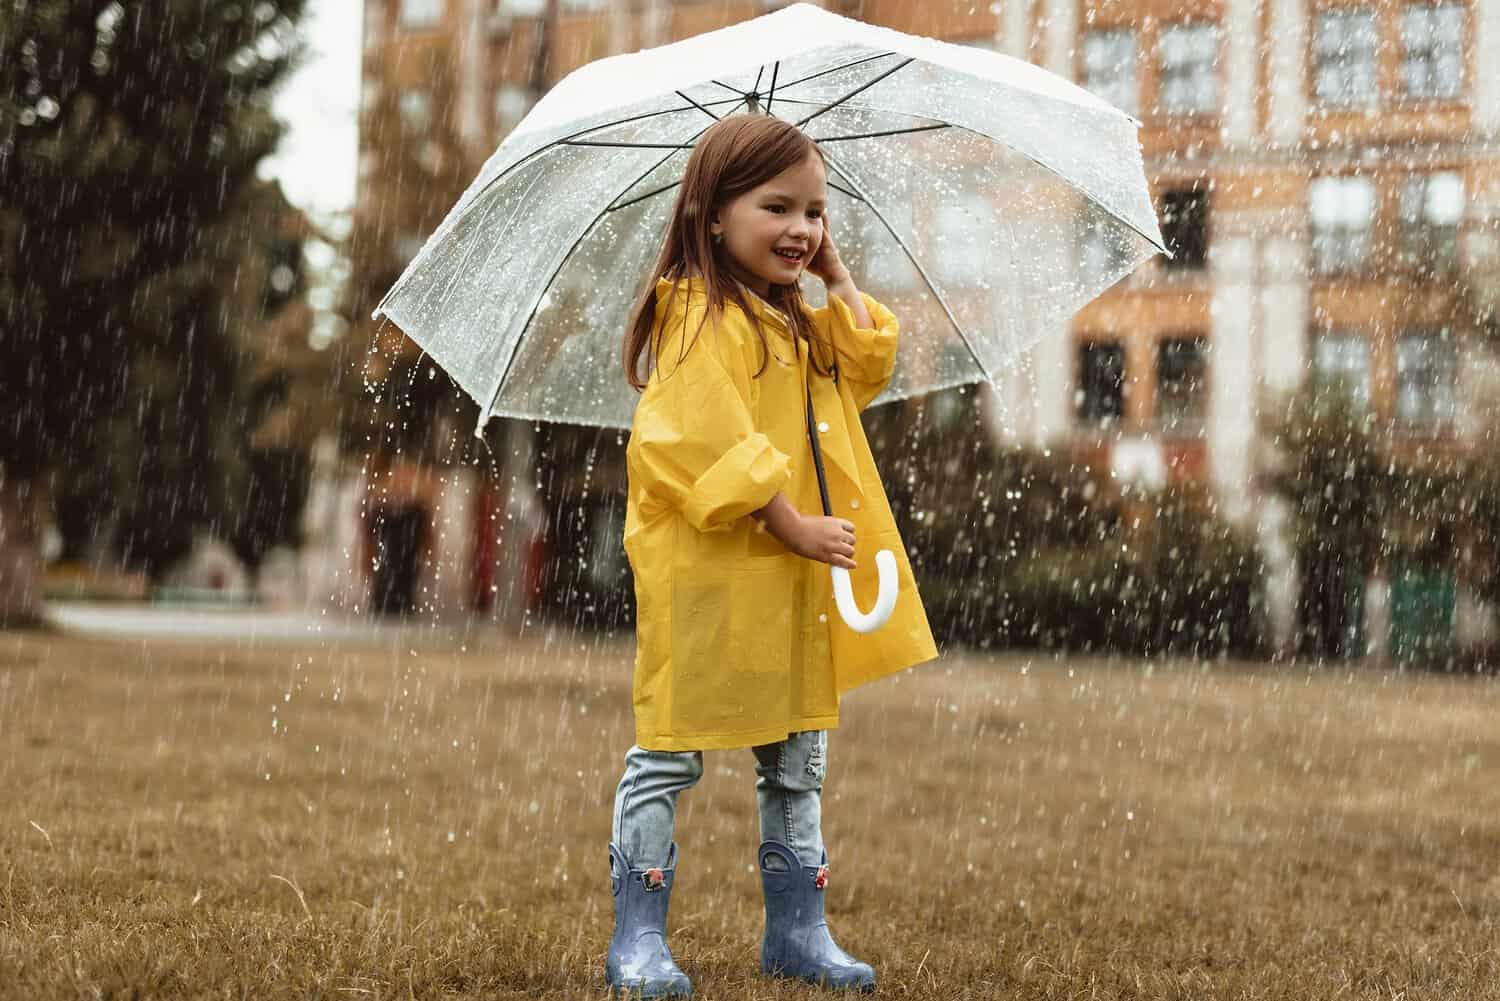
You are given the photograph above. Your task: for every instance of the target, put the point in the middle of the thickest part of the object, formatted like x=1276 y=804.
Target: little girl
x=738 y=643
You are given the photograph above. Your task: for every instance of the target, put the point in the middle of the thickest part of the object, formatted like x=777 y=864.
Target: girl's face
x=772 y=231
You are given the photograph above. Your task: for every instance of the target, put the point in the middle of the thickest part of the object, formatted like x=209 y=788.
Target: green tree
x=129 y=136
x=1332 y=475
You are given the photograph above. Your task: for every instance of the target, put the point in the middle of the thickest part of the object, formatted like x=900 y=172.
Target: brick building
x=1324 y=169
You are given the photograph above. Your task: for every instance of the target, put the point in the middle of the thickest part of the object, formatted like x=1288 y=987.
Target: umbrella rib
x=821 y=139
x=565 y=140
x=561 y=141
x=515 y=349
x=811 y=76
x=732 y=90
x=1039 y=162
x=641 y=198
x=668 y=187
x=861 y=88
x=872 y=107
x=1066 y=180
x=887 y=132
x=695 y=104
x=624 y=145
x=845 y=191
x=834 y=69
x=770 y=97
x=942 y=301
x=488 y=210
x=740 y=96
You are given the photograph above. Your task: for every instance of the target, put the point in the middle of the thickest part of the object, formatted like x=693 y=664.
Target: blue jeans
x=789 y=792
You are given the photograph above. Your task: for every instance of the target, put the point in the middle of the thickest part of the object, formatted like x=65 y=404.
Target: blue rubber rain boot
x=798 y=943
x=639 y=960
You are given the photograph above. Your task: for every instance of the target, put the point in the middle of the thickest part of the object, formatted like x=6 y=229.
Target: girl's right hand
x=827 y=540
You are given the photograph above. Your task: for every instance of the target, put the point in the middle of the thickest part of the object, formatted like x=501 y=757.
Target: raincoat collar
x=838 y=449
x=695 y=286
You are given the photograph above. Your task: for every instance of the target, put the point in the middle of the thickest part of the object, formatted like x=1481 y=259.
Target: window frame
x=1429 y=418
x=1318 y=50
x=509 y=90
x=1216 y=98
x=414 y=107
x=1177 y=265
x=1082 y=349
x=1194 y=420
x=1438 y=47
x=1133 y=66
x=435 y=11
x=1362 y=394
x=1320 y=267
x=1425 y=246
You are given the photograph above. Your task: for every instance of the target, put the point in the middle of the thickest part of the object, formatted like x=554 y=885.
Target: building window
x=885 y=263
x=521 y=8
x=418 y=14
x=1346 y=43
x=416 y=112
x=1432 y=209
x=1181 y=382
x=1109 y=67
x=1184 y=226
x=1341 y=361
x=1187 y=53
x=407 y=246
x=1100 y=396
x=968 y=228
x=511 y=104
x=1343 y=213
x=1433 y=37
x=1426 y=371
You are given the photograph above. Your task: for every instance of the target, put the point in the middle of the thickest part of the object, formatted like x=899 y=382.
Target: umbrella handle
x=885 y=603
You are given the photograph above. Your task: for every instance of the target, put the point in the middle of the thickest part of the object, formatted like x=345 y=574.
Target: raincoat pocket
x=724 y=678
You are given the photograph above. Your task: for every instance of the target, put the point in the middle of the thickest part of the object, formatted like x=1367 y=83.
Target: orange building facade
x=1324 y=170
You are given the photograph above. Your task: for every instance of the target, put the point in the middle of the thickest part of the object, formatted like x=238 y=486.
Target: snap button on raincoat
x=738 y=642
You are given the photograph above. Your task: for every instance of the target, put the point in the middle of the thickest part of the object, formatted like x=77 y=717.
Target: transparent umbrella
x=983 y=199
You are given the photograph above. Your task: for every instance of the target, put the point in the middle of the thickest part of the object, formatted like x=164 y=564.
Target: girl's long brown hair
x=734 y=155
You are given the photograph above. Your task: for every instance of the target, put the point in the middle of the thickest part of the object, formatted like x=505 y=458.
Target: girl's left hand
x=825 y=264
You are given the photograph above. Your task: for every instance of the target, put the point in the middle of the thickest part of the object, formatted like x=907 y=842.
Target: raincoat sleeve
x=696 y=446
x=866 y=356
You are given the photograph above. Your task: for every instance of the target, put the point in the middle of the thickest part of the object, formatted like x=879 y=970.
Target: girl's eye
x=776 y=208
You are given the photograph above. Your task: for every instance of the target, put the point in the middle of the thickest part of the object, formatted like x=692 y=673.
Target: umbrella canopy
x=983 y=199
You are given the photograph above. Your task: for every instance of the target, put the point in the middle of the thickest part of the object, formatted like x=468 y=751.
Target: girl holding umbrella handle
x=749 y=417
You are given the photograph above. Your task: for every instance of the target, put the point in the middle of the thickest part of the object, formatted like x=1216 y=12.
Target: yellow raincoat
x=738 y=642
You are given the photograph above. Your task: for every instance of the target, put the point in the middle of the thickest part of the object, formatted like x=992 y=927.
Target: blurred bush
x=1012 y=547
x=1017 y=547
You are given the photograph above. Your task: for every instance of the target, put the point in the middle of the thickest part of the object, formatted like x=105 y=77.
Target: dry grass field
x=429 y=820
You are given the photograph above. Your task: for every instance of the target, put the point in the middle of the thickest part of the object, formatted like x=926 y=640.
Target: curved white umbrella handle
x=885 y=602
